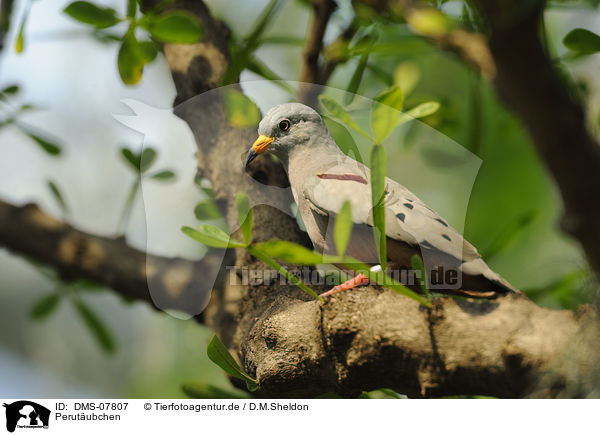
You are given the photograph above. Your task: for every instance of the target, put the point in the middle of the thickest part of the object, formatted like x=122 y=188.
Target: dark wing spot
x=426 y=244
x=409 y=200
x=345 y=177
x=401 y=216
x=408 y=205
x=445 y=236
x=442 y=221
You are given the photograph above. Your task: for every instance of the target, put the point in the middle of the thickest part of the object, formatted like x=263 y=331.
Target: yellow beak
x=261 y=144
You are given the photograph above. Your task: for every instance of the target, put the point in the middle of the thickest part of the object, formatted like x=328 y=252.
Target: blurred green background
x=498 y=192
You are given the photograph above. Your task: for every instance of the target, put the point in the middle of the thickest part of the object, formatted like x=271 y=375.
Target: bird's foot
x=358 y=280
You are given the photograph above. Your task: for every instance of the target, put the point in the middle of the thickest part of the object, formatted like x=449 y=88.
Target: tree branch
x=311 y=70
x=529 y=83
x=371 y=338
x=175 y=283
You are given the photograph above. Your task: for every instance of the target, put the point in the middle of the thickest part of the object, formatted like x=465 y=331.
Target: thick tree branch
x=175 y=283
x=529 y=83
x=371 y=338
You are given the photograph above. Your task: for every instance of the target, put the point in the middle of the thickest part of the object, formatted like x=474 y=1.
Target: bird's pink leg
x=358 y=280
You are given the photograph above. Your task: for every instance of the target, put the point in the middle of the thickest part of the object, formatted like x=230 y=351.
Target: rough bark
x=372 y=338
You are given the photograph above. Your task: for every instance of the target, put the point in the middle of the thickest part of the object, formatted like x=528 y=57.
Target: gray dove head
x=284 y=127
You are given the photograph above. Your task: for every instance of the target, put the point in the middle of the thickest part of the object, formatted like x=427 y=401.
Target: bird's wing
x=408 y=219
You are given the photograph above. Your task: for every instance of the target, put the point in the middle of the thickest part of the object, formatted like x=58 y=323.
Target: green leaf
x=253 y=39
x=211 y=236
x=163 y=175
x=377 y=166
x=343 y=228
x=10 y=90
x=27 y=107
x=242 y=53
x=417 y=264
x=44 y=306
x=343 y=138
x=338 y=112
x=202 y=390
x=240 y=110
x=143 y=161
x=244 y=215
x=147 y=158
x=218 y=353
x=48 y=146
x=106 y=38
x=289 y=252
x=131 y=158
x=356 y=78
x=509 y=235
x=367 y=41
x=175 y=27
x=204 y=185
x=130 y=60
x=582 y=41
x=262 y=256
x=258 y=67
x=406 y=77
x=89 y=13
x=58 y=196
x=386 y=113
x=147 y=51
x=421 y=111
x=20 y=44
x=428 y=21
x=96 y=326
x=207 y=210
x=131 y=8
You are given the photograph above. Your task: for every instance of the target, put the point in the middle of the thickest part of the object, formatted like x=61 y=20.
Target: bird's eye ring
x=284 y=125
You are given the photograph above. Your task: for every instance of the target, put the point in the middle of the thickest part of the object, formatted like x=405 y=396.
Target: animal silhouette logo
x=26 y=414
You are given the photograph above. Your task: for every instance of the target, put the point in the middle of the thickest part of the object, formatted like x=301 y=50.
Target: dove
x=322 y=178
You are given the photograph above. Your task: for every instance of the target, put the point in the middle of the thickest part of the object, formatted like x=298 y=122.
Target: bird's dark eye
x=284 y=125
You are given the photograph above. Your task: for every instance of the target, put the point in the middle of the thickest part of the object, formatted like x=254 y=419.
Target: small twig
x=310 y=72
